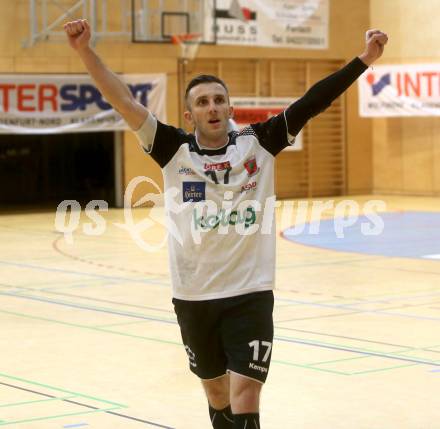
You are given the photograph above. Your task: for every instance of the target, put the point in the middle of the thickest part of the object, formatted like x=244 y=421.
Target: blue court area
x=404 y=234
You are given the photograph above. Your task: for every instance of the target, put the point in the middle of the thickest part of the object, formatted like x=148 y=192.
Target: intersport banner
x=300 y=24
x=400 y=90
x=49 y=104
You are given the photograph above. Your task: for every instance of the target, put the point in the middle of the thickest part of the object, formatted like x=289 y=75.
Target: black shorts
x=229 y=334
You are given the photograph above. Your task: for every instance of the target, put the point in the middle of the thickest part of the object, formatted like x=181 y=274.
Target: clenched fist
x=375 y=44
x=79 y=33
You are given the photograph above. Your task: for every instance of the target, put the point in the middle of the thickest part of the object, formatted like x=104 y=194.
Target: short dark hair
x=203 y=78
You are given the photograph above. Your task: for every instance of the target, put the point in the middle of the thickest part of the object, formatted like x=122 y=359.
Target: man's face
x=209 y=110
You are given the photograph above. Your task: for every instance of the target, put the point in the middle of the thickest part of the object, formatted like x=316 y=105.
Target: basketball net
x=189 y=44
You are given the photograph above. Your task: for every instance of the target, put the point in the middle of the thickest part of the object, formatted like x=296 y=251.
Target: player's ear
x=231 y=112
x=188 y=118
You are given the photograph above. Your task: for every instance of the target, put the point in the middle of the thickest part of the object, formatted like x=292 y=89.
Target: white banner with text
x=400 y=90
x=49 y=104
x=299 y=24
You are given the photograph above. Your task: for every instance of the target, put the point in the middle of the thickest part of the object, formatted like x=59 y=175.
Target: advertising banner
x=248 y=110
x=49 y=104
x=400 y=90
x=299 y=24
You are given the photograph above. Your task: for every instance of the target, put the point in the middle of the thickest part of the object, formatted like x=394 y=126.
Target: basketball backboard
x=157 y=20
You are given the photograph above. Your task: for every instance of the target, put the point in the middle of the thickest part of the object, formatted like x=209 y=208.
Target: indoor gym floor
x=89 y=339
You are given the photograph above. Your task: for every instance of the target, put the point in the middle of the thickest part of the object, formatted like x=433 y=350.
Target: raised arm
x=111 y=86
x=322 y=94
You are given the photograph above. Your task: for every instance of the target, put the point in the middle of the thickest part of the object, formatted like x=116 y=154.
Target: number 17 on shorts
x=260 y=355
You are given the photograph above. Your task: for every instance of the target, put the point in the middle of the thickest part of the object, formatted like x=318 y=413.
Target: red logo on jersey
x=249 y=187
x=251 y=166
x=217 y=166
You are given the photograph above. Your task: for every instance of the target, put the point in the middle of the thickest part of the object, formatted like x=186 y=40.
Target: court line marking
x=81 y=273
x=331 y=371
x=391 y=296
x=352 y=307
x=158 y=320
x=47 y=386
x=386 y=297
x=89 y=308
x=354 y=349
x=318 y=264
x=94 y=263
x=75 y=425
x=290 y=340
x=94 y=409
x=398 y=298
x=297 y=302
x=429 y=349
x=92 y=328
x=346 y=373
x=362 y=301
x=349 y=313
x=173 y=322
x=138 y=316
x=408 y=270
x=359 y=350
x=368 y=371
x=39 y=400
x=107 y=301
x=344 y=337
x=58 y=416
x=346 y=349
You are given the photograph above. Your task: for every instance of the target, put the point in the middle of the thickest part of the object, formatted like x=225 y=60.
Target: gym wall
x=337 y=157
x=406 y=151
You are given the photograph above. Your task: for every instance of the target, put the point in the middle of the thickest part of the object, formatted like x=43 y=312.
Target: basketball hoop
x=189 y=44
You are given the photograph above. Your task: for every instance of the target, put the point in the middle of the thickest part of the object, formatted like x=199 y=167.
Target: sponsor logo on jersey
x=217 y=166
x=249 y=187
x=251 y=166
x=257 y=367
x=186 y=171
x=193 y=191
x=246 y=217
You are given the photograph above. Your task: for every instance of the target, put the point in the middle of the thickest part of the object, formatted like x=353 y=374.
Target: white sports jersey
x=226 y=215
x=224 y=241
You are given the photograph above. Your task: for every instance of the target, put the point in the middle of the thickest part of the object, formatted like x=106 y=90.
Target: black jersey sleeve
x=159 y=140
x=280 y=131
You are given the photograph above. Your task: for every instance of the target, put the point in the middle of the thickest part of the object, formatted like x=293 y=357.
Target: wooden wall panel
x=288 y=78
x=417 y=156
x=406 y=159
x=318 y=169
x=240 y=76
x=291 y=175
x=359 y=151
x=136 y=163
x=262 y=71
x=436 y=155
x=388 y=173
x=326 y=142
x=7 y=65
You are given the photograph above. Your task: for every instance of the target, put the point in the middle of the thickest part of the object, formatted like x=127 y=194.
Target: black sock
x=221 y=419
x=248 y=421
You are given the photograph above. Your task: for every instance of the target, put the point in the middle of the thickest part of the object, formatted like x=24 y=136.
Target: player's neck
x=211 y=143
